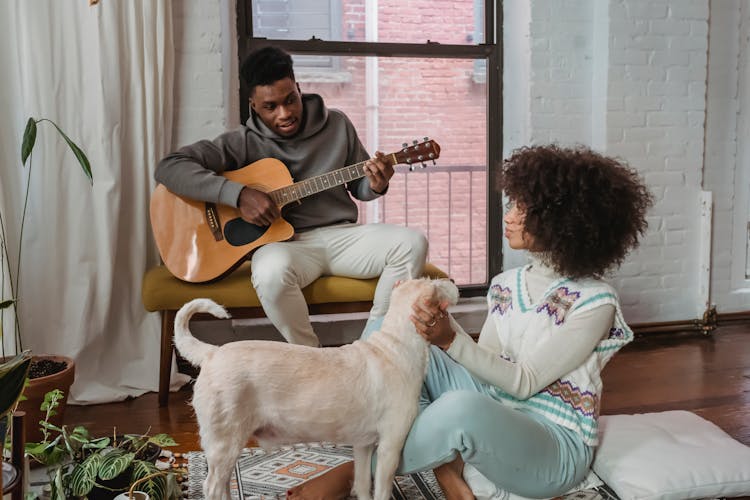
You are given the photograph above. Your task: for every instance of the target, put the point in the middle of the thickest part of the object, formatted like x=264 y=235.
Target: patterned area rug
x=261 y=475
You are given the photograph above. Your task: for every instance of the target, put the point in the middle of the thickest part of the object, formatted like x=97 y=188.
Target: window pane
x=397 y=100
x=397 y=21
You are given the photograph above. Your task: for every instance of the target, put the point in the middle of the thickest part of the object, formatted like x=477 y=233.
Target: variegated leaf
x=156 y=486
x=83 y=478
x=114 y=464
x=58 y=490
x=163 y=440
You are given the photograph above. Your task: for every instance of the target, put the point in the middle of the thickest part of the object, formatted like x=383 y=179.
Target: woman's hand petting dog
x=430 y=318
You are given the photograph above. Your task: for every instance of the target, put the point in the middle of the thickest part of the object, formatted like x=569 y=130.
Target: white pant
x=280 y=270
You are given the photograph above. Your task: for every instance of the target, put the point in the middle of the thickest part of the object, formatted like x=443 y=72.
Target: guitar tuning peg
x=411 y=168
x=426 y=139
x=434 y=162
x=415 y=142
x=404 y=145
x=424 y=166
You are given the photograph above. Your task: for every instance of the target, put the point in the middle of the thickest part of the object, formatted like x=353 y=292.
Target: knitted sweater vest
x=573 y=400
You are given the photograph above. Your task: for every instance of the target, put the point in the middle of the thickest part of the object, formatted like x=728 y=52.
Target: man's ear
x=252 y=104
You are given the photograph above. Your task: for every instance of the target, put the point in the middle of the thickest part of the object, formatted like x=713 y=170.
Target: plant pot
x=35 y=392
x=112 y=487
x=121 y=483
x=150 y=453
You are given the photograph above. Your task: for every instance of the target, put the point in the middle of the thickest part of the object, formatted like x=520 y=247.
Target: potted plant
x=82 y=466
x=47 y=371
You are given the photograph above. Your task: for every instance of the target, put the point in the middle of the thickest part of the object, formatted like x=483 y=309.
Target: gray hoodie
x=325 y=142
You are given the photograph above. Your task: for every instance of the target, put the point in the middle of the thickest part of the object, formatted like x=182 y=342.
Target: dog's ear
x=447 y=290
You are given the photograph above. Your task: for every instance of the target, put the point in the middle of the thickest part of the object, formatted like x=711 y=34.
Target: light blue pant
x=521 y=452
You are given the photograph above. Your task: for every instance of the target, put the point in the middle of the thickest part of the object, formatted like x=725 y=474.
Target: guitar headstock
x=418 y=152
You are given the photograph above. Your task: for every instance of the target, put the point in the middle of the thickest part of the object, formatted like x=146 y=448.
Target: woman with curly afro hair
x=582 y=210
x=517 y=411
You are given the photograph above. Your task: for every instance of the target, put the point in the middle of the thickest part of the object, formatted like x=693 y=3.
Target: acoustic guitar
x=200 y=241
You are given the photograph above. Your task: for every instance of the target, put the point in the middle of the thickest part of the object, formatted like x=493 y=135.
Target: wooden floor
x=709 y=375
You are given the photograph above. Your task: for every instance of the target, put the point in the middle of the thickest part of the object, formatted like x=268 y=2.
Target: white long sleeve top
x=544 y=343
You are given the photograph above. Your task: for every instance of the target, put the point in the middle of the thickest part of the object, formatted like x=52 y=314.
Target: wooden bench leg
x=167 y=349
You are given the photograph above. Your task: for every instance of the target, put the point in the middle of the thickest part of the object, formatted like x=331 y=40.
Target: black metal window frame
x=491 y=51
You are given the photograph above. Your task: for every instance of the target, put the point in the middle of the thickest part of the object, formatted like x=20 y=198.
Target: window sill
x=322 y=76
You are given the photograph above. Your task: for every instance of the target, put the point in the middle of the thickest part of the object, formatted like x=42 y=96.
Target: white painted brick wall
x=561 y=71
x=198 y=99
x=655 y=93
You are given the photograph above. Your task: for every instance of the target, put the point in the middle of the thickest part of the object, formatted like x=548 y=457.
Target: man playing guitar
x=311 y=140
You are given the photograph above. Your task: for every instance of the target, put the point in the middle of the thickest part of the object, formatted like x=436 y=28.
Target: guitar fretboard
x=316 y=184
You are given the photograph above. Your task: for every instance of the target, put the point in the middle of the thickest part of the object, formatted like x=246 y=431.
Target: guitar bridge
x=212 y=219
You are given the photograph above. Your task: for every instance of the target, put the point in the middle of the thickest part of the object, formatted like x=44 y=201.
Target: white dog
x=363 y=394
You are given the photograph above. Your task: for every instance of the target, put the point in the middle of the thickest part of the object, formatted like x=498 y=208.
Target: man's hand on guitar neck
x=257 y=207
x=379 y=172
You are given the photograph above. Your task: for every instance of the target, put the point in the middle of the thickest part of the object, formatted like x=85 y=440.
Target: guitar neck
x=316 y=184
x=417 y=153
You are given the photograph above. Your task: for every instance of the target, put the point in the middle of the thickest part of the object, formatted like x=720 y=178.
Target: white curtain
x=104 y=73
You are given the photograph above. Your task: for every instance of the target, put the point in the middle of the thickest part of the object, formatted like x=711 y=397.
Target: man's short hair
x=266 y=66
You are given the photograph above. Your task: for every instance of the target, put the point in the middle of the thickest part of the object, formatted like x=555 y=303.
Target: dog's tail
x=191 y=348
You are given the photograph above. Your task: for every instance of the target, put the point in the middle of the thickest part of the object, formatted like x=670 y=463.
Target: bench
x=164 y=293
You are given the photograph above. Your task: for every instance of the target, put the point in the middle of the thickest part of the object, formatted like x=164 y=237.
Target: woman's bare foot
x=335 y=484
x=450 y=478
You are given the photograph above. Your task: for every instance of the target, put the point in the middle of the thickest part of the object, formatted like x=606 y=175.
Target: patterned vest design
x=573 y=400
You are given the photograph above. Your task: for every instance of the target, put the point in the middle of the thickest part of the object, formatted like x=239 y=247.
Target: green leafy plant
x=12 y=379
x=27 y=149
x=13 y=375
x=79 y=464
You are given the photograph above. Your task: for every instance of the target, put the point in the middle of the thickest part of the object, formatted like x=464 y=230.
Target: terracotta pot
x=35 y=392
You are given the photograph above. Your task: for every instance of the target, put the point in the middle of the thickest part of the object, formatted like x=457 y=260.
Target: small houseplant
x=47 y=371
x=83 y=466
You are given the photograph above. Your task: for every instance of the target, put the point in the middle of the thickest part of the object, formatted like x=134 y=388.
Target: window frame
x=490 y=50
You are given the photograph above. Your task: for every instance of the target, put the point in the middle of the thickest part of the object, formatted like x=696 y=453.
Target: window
x=412 y=72
x=300 y=20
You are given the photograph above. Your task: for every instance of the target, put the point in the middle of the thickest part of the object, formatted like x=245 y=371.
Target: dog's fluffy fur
x=362 y=394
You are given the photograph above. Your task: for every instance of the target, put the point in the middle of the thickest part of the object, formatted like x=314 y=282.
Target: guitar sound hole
x=239 y=232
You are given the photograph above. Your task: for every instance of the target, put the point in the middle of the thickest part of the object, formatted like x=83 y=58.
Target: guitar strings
x=280 y=195
x=302 y=189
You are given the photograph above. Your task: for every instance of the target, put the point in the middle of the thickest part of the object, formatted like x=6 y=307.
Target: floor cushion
x=671 y=455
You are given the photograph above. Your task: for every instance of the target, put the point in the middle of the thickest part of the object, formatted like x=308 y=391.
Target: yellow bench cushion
x=161 y=291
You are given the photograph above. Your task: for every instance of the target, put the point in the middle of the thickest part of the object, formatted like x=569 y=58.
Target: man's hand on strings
x=257 y=207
